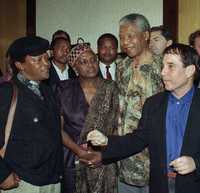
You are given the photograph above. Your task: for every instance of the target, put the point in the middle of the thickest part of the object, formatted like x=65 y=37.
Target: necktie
x=108 y=75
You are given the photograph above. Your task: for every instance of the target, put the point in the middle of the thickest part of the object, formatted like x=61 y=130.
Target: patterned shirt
x=135 y=85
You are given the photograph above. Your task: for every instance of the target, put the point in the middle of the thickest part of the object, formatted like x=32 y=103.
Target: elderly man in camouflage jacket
x=138 y=77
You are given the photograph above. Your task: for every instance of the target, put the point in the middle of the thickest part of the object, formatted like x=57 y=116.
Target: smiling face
x=87 y=65
x=176 y=77
x=35 y=67
x=132 y=40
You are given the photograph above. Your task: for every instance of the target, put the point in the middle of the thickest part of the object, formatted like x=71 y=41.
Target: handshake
x=90 y=157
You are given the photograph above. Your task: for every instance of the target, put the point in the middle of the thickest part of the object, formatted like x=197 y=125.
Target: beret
x=29 y=45
x=76 y=52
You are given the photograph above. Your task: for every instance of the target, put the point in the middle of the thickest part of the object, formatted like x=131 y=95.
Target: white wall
x=91 y=18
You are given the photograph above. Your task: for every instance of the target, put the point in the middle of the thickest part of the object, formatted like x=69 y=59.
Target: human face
x=35 y=67
x=197 y=45
x=132 y=40
x=107 y=51
x=158 y=43
x=177 y=78
x=87 y=65
x=60 y=52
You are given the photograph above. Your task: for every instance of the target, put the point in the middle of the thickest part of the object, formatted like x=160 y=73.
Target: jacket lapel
x=53 y=74
x=163 y=112
x=100 y=73
x=192 y=130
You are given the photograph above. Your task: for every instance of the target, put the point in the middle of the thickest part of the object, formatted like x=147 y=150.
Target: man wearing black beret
x=33 y=159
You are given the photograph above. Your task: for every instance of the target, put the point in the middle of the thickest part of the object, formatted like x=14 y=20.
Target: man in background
x=194 y=41
x=59 y=70
x=160 y=39
x=107 y=45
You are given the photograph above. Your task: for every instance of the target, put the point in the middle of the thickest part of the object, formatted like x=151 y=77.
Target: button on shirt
x=176 y=120
x=112 y=70
x=63 y=75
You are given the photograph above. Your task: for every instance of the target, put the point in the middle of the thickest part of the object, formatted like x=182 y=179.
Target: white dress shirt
x=63 y=75
x=112 y=69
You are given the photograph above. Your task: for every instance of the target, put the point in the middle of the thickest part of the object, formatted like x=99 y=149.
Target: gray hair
x=138 y=19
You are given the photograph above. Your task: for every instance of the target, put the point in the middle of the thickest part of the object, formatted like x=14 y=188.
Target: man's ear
x=190 y=70
x=169 y=43
x=51 y=53
x=19 y=66
x=146 y=35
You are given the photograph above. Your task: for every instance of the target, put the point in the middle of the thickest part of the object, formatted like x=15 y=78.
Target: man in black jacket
x=169 y=127
x=33 y=160
x=59 y=69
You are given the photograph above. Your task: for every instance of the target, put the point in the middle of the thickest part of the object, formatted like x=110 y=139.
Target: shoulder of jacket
x=156 y=98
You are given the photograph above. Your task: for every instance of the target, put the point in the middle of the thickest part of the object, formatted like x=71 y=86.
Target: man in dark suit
x=34 y=159
x=59 y=69
x=169 y=127
x=107 y=46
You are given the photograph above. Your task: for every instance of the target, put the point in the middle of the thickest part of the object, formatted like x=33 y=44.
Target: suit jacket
x=54 y=78
x=34 y=150
x=151 y=132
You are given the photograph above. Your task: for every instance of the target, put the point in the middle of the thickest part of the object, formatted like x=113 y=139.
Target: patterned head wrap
x=76 y=52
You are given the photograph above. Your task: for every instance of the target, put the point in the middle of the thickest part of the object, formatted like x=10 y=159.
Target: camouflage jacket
x=135 y=85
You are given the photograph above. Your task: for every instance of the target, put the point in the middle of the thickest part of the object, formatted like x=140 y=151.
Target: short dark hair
x=56 y=40
x=189 y=56
x=193 y=36
x=109 y=36
x=164 y=32
x=61 y=32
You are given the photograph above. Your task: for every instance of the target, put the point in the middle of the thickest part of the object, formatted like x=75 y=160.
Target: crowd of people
x=76 y=121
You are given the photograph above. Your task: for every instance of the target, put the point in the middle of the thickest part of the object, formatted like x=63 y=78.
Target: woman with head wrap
x=86 y=103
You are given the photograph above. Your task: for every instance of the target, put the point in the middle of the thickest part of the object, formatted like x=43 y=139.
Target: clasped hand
x=90 y=157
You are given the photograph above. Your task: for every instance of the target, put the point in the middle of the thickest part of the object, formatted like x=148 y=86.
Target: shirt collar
x=25 y=81
x=184 y=99
x=112 y=65
x=58 y=69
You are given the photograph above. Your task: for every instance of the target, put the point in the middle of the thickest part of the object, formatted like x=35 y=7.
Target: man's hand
x=93 y=158
x=97 y=138
x=12 y=181
x=183 y=165
x=83 y=153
